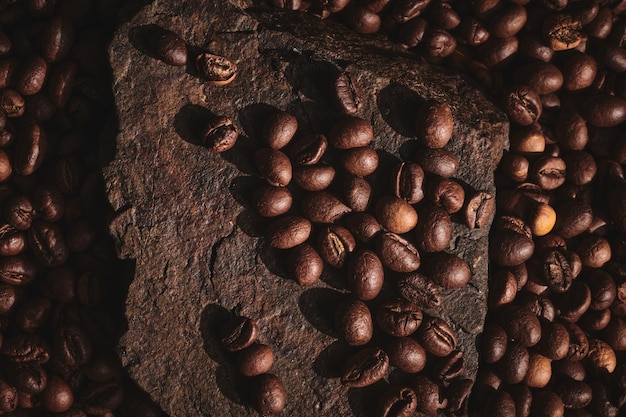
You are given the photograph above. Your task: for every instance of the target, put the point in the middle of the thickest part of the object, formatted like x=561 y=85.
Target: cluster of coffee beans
x=254 y=360
x=59 y=314
x=332 y=212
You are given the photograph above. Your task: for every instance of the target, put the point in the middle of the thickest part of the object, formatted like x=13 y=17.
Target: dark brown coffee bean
x=543 y=77
x=399 y=318
x=238 y=333
x=601 y=355
x=72 y=346
x=308 y=150
x=5 y=166
x=168 y=47
x=458 y=394
x=493 y=343
x=365 y=275
x=288 y=232
x=274 y=166
x=614 y=334
x=502 y=289
x=554 y=343
x=556 y=271
x=406 y=354
x=27 y=377
x=31 y=149
x=595 y=320
x=573 y=218
x=547 y=403
x=438 y=43
x=47 y=244
x=514 y=364
x=397 y=253
x=471 y=31
x=548 y=172
x=356 y=192
x=33 y=314
x=522 y=325
x=323 y=207
x=12 y=241
x=440 y=162
x=271 y=201
x=446 y=370
x=407 y=181
x=395 y=214
x=254 y=360
x=614 y=57
x=347 y=93
x=448 y=270
x=497 y=52
x=363 y=226
x=574 y=394
x=446 y=193
x=364 y=21
x=31 y=75
x=103 y=367
x=479 y=209
x=604 y=110
x=561 y=32
x=532 y=46
x=405 y=10
x=57 y=39
x=26 y=348
x=10 y=296
x=353 y=322
x=434 y=124
x=397 y=401
x=574 y=370
x=444 y=15
x=523 y=105
x=61 y=83
x=361 y=161
x=578 y=342
x=335 y=244
x=8 y=397
x=315 y=177
x=411 y=33
x=278 y=130
x=101 y=398
x=510 y=249
x=215 y=69
x=430 y=399
x=351 y=132
x=507 y=21
x=594 y=251
x=579 y=71
x=221 y=134
x=603 y=289
x=49 y=203
x=434 y=229
x=304 y=264
x=365 y=368
x=268 y=394
x=12 y=103
x=581 y=167
x=437 y=337
x=17 y=270
x=418 y=289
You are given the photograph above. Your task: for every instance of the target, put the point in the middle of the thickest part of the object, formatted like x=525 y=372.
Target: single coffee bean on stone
x=366 y=367
x=304 y=264
x=479 y=209
x=314 y=177
x=238 y=333
x=365 y=276
x=288 y=232
x=434 y=124
x=216 y=69
x=448 y=270
x=351 y=132
x=279 y=129
x=440 y=162
x=268 y=394
x=271 y=201
x=220 y=135
x=168 y=47
x=447 y=193
x=406 y=354
x=434 y=229
x=254 y=360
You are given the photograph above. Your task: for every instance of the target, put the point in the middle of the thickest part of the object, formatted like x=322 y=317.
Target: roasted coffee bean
x=168 y=47
x=561 y=32
x=304 y=264
x=574 y=394
x=347 y=93
x=406 y=354
x=397 y=401
x=279 y=129
x=522 y=325
x=502 y=289
x=601 y=355
x=101 y=398
x=578 y=342
x=574 y=370
x=440 y=162
x=447 y=369
x=579 y=71
x=363 y=226
x=510 y=249
x=514 y=364
x=5 y=166
x=399 y=318
x=407 y=182
x=254 y=360
x=603 y=289
x=493 y=343
x=523 y=105
x=221 y=134
x=418 y=289
x=271 y=201
x=446 y=193
x=397 y=253
x=444 y=15
x=12 y=103
x=31 y=75
x=614 y=334
x=322 y=207
x=335 y=244
x=356 y=192
x=507 y=21
x=33 y=314
x=497 y=52
x=437 y=336
x=353 y=322
x=556 y=271
x=103 y=367
x=531 y=46
x=47 y=244
x=314 y=177
x=512 y=224
x=472 y=32
x=594 y=251
x=479 y=209
x=365 y=368
x=365 y=275
x=434 y=124
x=12 y=241
x=543 y=77
x=61 y=83
x=573 y=218
x=604 y=110
x=72 y=346
x=49 y=203
x=430 y=399
x=351 y=132
x=595 y=320
x=547 y=404
x=26 y=347
x=28 y=377
x=411 y=33
x=215 y=69
x=548 y=172
x=31 y=149
x=17 y=270
x=405 y=10
x=438 y=43
x=614 y=57
x=58 y=36
x=307 y=150
x=364 y=21
x=361 y=161
x=458 y=394
x=268 y=394
x=8 y=397
x=395 y=214
x=10 y=296
x=554 y=342
x=448 y=270
x=539 y=371
x=238 y=333
x=434 y=229
x=288 y=232
x=274 y=166
x=526 y=140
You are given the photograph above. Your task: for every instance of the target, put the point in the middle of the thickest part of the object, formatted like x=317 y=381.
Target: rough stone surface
x=183 y=214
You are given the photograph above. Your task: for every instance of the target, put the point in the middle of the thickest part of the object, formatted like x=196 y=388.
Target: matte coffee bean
x=479 y=209
x=554 y=343
x=12 y=241
x=365 y=275
x=33 y=314
x=539 y=371
x=430 y=400
x=254 y=360
x=26 y=347
x=594 y=251
x=397 y=402
x=238 y=333
x=525 y=140
x=351 y=132
x=168 y=47
x=27 y=377
x=363 y=226
x=397 y=253
x=434 y=124
x=601 y=355
x=522 y=325
x=514 y=364
x=271 y=201
x=17 y=270
x=395 y=214
x=49 y=203
x=221 y=134
x=10 y=296
x=12 y=103
x=448 y=270
x=57 y=39
x=101 y=398
x=307 y=150
x=31 y=75
x=365 y=368
x=407 y=182
x=438 y=43
x=510 y=249
x=322 y=207
x=30 y=150
x=578 y=342
x=574 y=394
x=406 y=354
x=561 y=32
x=304 y=264
x=399 y=318
x=523 y=105
x=347 y=93
x=268 y=394
x=556 y=271
x=547 y=404
x=335 y=244
x=411 y=33
x=353 y=322
x=595 y=320
x=440 y=162
x=434 y=229
x=361 y=161
x=448 y=369
x=446 y=193
x=604 y=110
x=274 y=166
x=574 y=370
x=46 y=242
x=614 y=57
x=579 y=71
x=288 y=232
x=356 y=193
x=314 y=177
x=437 y=337
x=418 y=289
x=215 y=69
x=507 y=21
x=573 y=218
x=279 y=129
x=493 y=343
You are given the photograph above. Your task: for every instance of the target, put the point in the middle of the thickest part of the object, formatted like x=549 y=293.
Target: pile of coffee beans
x=254 y=360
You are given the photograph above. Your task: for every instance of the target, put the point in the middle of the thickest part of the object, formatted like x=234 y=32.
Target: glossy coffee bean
x=365 y=274
x=365 y=368
x=573 y=218
x=418 y=289
x=398 y=318
x=12 y=103
x=304 y=264
x=12 y=241
x=479 y=209
x=434 y=124
x=405 y=10
x=510 y=249
x=307 y=150
x=493 y=343
x=314 y=177
x=430 y=399
x=351 y=132
x=522 y=325
x=447 y=193
x=604 y=110
x=288 y=232
x=471 y=31
x=406 y=354
x=17 y=270
x=335 y=244
x=47 y=243
x=220 y=135
x=279 y=129
x=31 y=149
x=437 y=337
x=356 y=192
x=347 y=93
x=72 y=346
x=364 y=21
x=254 y=360
x=395 y=214
x=507 y=21
x=274 y=166
x=440 y=162
x=601 y=355
x=578 y=342
x=268 y=394
x=503 y=288
x=579 y=71
x=522 y=105
x=407 y=182
x=353 y=322
x=361 y=161
x=271 y=201
x=238 y=333
x=57 y=397
x=448 y=369
x=397 y=402
x=539 y=371
x=363 y=226
x=543 y=77
x=594 y=251
x=397 y=253
x=168 y=47
x=31 y=75
x=556 y=271
x=434 y=229
x=322 y=207
x=449 y=270
x=548 y=172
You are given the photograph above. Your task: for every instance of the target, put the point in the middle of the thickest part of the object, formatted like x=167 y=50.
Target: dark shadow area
x=399 y=106
x=363 y=401
x=274 y=259
x=190 y=122
x=140 y=37
x=252 y=119
x=329 y=361
x=318 y=306
x=408 y=150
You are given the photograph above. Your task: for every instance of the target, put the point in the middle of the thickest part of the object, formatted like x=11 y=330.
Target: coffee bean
x=322 y=207
x=434 y=124
x=314 y=177
x=288 y=232
x=397 y=401
x=397 y=253
x=12 y=103
x=398 y=318
x=365 y=368
x=579 y=71
x=527 y=139
x=238 y=333
x=307 y=150
x=440 y=162
x=574 y=394
x=444 y=15
x=17 y=270
x=12 y=241
x=539 y=371
x=100 y=398
x=405 y=10
x=595 y=320
x=446 y=193
x=361 y=161
x=574 y=370
x=523 y=105
x=514 y=364
x=434 y=229
x=554 y=343
x=365 y=275
x=458 y=394
x=61 y=83
x=472 y=32
x=438 y=43
x=57 y=39
x=437 y=337
x=271 y=201
x=507 y=21
x=268 y=394
x=31 y=75
x=556 y=271
x=430 y=399
x=279 y=129
x=27 y=377
x=614 y=334
x=304 y=264
x=573 y=218
x=493 y=343
x=547 y=403
x=49 y=203
x=351 y=132
x=510 y=248
x=72 y=346
x=548 y=172
x=363 y=226
x=521 y=325
x=353 y=322
x=254 y=360
x=395 y=214
x=503 y=288
x=448 y=369
x=406 y=354
x=26 y=347
x=411 y=33
x=479 y=209
x=221 y=134
x=347 y=93
x=531 y=46
x=561 y=32
x=217 y=70
x=448 y=270
x=578 y=342
x=356 y=193
x=601 y=355
x=47 y=244
x=602 y=288
x=364 y=21
x=594 y=251
x=168 y=47
x=418 y=289
x=407 y=179
x=497 y=52
x=604 y=110
x=30 y=150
